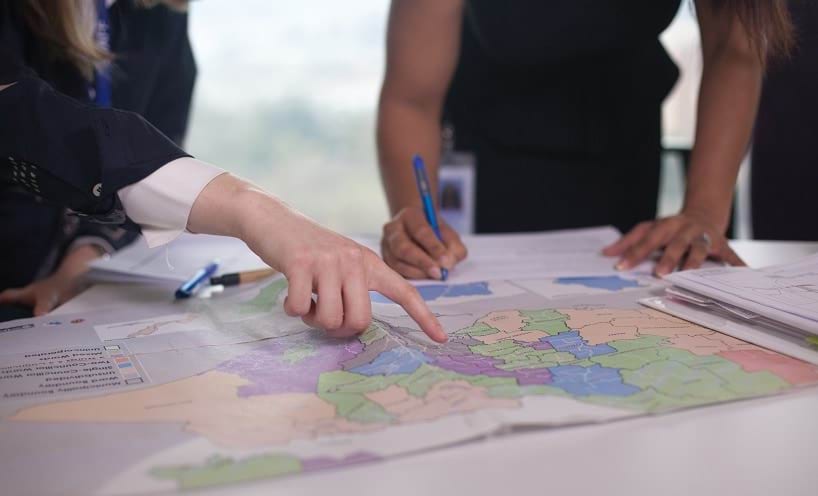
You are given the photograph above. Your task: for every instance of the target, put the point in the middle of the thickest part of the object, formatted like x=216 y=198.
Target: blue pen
x=428 y=205
x=187 y=289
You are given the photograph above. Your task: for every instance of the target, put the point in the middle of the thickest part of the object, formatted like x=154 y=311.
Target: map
x=274 y=398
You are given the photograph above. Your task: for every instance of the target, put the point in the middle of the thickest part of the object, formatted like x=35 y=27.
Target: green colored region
x=267 y=299
x=646 y=341
x=346 y=391
x=648 y=400
x=374 y=332
x=516 y=356
x=632 y=354
x=479 y=329
x=295 y=355
x=426 y=376
x=672 y=378
x=546 y=320
x=218 y=470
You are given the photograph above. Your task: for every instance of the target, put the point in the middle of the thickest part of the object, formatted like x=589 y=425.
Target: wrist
x=260 y=217
x=716 y=217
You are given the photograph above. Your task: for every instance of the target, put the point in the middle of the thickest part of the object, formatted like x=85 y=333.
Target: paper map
x=233 y=391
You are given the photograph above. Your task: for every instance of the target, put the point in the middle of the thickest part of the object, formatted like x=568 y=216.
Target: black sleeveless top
x=559 y=92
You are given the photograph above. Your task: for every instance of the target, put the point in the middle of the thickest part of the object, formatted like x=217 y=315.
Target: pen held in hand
x=428 y=204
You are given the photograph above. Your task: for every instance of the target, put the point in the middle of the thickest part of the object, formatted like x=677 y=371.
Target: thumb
x=44 y=303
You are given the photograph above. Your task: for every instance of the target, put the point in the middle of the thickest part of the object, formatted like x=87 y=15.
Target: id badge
x=457 y=184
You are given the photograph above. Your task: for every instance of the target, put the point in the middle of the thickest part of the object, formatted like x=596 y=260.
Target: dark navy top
x=57 y=150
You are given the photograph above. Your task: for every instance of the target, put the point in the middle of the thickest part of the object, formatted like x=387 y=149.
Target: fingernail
x=623 y=265
x=435 y=273
x=661 y=272
x=446 y=261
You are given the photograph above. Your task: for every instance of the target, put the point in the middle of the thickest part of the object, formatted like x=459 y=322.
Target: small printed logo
x=78 y=321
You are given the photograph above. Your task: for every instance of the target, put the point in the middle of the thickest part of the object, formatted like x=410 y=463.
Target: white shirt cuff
x=161 y=202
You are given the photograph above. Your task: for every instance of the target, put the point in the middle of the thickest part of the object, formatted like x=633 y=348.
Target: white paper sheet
x=787 y=293
x=176 y=261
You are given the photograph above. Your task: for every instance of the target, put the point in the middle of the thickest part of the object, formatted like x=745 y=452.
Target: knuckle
x=402 y=247
x=295 y=309
x=358 y=324
x=353 y=255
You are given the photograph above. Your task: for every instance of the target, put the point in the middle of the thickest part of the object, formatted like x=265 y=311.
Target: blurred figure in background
x=151 y=72
x=784 y=171
x=560 y=102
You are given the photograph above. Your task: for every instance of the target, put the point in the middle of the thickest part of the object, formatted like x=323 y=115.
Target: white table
x=765 y=447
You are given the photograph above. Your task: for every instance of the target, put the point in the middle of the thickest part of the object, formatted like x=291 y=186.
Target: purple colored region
x=473 y=365
x=325 y=462
x=572 y=342
x=270 y=371
x=540 y=345
x=594 y=380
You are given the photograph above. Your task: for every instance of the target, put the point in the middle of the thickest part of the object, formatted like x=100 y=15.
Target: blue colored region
x=573 y=343
x=611 y=283
x=394 y=361
x=585 y=381
x=471 y=289
x=433 y=292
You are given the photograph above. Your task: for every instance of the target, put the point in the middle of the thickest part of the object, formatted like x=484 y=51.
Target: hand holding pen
x=415 y=242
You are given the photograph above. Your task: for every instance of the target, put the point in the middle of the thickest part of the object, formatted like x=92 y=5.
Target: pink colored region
x=325 y=462
x=271 y=373
x=791 y=370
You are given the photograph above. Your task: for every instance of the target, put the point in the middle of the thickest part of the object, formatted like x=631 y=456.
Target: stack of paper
x=779 y=303
x=175 y=262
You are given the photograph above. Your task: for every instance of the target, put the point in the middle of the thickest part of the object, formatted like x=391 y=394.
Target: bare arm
x=421 y=53
x=422 y=45
x=314 y=259
x=728 y=99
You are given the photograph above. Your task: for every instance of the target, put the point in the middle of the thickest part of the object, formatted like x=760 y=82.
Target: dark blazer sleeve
x=70 y=153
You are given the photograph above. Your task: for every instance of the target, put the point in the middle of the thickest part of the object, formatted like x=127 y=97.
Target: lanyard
x=100 y=92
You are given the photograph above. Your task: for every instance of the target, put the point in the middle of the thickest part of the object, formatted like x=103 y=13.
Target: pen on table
x=428 y=204
x=237 y=278
x=187 y=289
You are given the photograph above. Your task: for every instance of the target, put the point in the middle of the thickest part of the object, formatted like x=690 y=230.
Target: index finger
x=390 y=284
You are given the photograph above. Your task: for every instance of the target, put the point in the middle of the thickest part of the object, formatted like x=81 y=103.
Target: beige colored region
x=709 y=344
x=604 y=332
x=602 y=325
x=444 y=398
x=208 y=404
x=509 y=323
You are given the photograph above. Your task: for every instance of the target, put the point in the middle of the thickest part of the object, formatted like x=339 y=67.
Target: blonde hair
x=67 y=27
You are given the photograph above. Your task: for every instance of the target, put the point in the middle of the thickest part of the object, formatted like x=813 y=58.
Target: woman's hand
x=49 y=293
x=315 y=260
x=688 y=239
x=409 y=245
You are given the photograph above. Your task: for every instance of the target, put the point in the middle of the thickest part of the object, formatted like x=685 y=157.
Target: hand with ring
x=687 y=240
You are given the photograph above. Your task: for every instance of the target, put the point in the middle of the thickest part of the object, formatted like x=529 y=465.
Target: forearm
x=230 y=206
x=406 y=129
x=728 y=99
